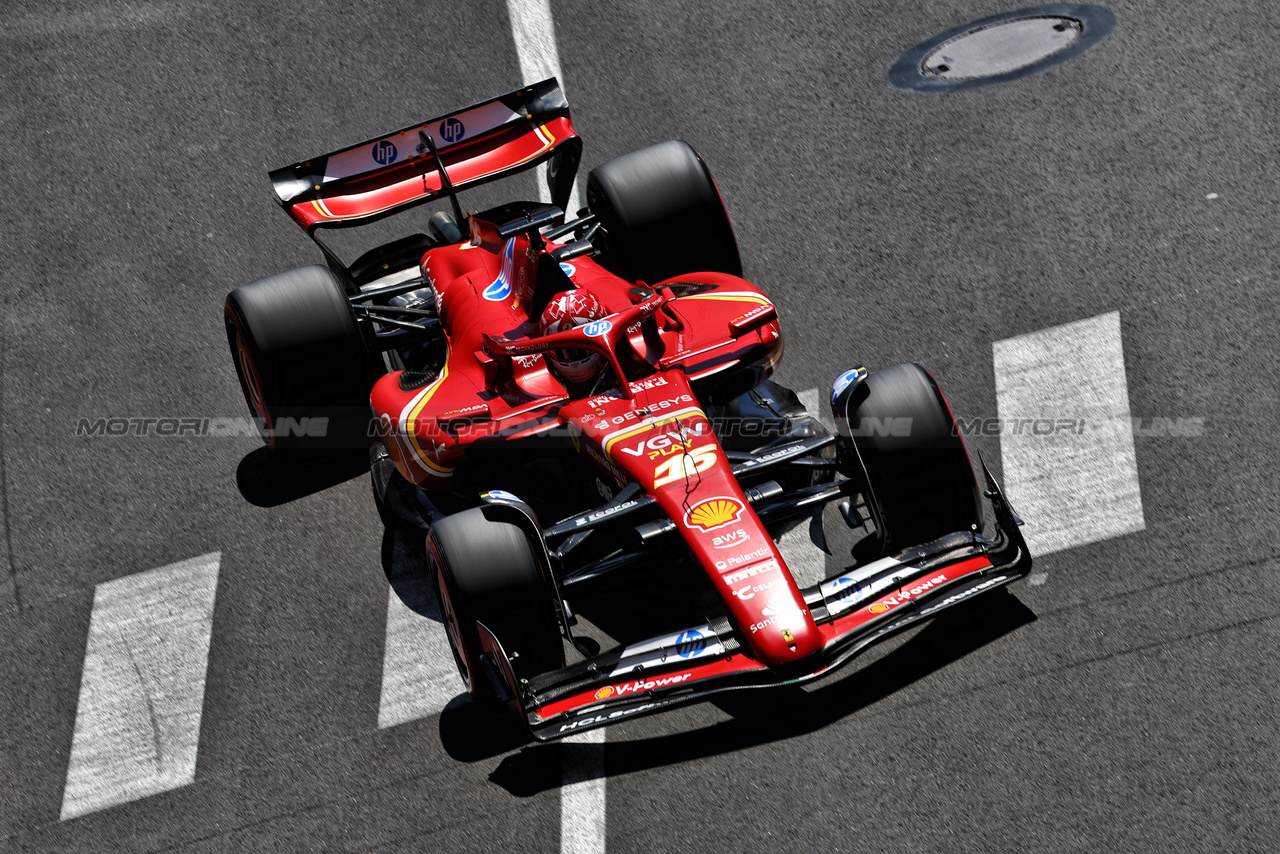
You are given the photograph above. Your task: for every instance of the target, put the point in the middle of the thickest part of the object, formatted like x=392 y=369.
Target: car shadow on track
x=266 y=481
x=756 y=721
x=404 y=561
x=469 y=732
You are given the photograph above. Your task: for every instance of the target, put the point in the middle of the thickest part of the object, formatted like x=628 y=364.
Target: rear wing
x=396 y=171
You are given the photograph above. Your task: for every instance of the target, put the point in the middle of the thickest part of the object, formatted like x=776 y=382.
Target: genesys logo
x=888 y=603
x=640 y=685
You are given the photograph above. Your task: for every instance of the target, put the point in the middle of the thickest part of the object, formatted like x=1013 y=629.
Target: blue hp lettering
x=597 y=328
x=690 y=643
x=452 y=130
x=384 y=152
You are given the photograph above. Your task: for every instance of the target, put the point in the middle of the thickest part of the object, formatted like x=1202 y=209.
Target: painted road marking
x=807 y=562
x=582 y=795
x=815 y=403
x=142 y=688
x=419 y=676
x=535 y=36
x=1076 y=482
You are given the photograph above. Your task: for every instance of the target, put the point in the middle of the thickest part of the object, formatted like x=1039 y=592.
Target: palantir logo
x=384 y=151
x=452 y=130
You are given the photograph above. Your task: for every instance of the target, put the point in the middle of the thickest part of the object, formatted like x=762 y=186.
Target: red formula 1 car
x=576 y=415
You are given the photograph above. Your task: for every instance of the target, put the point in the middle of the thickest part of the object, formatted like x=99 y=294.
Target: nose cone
x=772 y=613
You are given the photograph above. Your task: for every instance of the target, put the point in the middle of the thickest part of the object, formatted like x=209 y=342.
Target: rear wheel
x=662 y=214
x=484 y=571
x=916 y=463
x=302 y=361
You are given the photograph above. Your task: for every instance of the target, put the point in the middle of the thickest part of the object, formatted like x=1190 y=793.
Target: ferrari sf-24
x=573 y=415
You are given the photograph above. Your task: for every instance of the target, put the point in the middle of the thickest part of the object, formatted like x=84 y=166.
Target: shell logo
x=878 y=608
x=713 y=513
x=604 y=693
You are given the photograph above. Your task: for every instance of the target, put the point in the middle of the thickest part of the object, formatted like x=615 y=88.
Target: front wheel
x=917 y=467
x=484 y=571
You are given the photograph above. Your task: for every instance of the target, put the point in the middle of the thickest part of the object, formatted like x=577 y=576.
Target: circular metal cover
x=1001 y=47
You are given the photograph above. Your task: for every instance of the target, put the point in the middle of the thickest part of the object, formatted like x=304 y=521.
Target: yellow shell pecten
x=714 y=512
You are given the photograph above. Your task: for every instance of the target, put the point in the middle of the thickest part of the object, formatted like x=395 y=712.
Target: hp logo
x=384 y=152
x=690 y=643
x=596 y=328
x=452 y=130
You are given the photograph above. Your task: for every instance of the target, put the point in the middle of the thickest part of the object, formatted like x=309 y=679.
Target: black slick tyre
x=662 y=214
x=484 y=571
x=916 y=463
x=303 y=364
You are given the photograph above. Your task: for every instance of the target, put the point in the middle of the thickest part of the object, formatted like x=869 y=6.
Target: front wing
x=853 y=611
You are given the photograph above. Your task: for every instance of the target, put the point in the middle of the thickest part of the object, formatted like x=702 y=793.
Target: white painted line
x=582 y=796
x=582 y=806
x=1076 y=481
x=419 y=676
x=535 y=36
x=142 y=687
x=817 y=403
x=807 y=562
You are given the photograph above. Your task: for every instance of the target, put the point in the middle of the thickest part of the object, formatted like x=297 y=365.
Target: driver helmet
x=565 y=311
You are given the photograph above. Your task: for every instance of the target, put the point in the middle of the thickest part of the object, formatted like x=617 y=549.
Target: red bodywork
x=653 y=432
x=649 y=430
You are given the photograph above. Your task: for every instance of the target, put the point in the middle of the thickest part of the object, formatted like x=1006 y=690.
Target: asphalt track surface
x=1127 y=703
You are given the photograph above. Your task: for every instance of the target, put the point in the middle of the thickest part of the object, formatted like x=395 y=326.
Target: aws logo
x=733 y=538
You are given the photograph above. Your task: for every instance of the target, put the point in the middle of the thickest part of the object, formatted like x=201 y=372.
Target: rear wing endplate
x=393 y=172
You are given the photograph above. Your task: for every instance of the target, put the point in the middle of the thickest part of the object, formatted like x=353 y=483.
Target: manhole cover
x=1001 y=47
